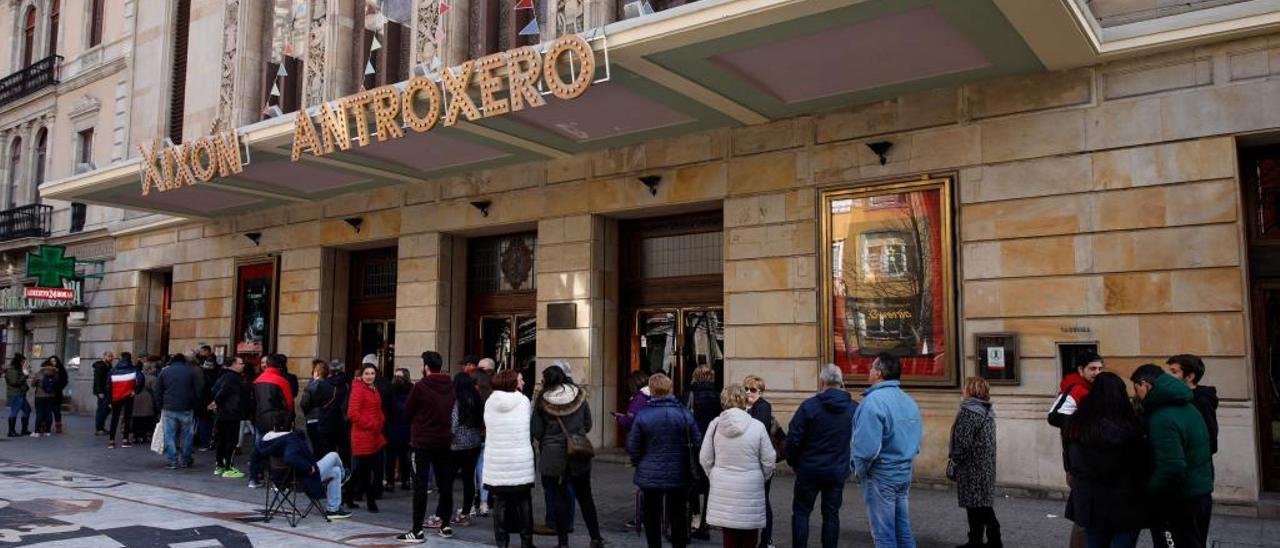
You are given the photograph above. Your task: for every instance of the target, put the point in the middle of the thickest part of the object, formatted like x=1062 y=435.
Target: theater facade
x=982 y=187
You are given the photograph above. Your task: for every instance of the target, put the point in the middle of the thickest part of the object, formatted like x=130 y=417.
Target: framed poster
x=888 y=283
x=997 y=357
x=255 y=312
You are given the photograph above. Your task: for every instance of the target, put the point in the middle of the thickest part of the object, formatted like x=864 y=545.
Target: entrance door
x=371 y=309
x=677 y=341
x=1260 y=177
x=671 y=287
x=502 y=301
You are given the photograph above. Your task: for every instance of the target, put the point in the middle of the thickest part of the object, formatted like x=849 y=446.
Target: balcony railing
x=28 y=221
x=33 y=78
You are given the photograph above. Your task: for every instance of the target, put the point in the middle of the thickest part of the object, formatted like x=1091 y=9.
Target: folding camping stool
x=282 y=491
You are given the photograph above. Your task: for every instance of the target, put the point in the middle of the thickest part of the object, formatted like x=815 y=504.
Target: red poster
x=255 y=310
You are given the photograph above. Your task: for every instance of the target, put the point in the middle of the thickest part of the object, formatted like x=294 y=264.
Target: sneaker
x=338 y=514
x=110 y=444
x=484 y=509
x=233 y=473
x=463 y=520
x=434 y=522
x=412 y=537
x=218 y=470
x=171 y=466
x=124 y=443
x=252 y=484
x=446 y=532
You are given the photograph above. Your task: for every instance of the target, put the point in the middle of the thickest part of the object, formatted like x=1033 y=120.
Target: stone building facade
x=1102 y=204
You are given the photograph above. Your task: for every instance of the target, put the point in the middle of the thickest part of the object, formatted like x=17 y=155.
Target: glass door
x=509 y=339
x=676 y=341
x=378 y=337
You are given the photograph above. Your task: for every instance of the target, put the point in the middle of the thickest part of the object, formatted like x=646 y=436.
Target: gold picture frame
x=900 y=296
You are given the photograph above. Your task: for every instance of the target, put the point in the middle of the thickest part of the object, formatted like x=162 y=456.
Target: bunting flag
x=439 y=35
x=444 y=8
x=282 y=72
x=376 y=45
x=275 y=90
x=435 y=63
x=531 y=29
x=368 y=68
x=524 y=5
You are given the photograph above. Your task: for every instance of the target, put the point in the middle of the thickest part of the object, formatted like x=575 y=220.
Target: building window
x=78 y=211
x=29 y=37
x=55 y=12
x=502 y=264
x=95 y=22
x=15 y=162
x=84 y=151
x=695 y=254
x=178 y=72
x=284 y=91
x=42 y=154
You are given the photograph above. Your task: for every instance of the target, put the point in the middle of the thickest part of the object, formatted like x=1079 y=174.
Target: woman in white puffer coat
x=508 y=471
x=738 y=458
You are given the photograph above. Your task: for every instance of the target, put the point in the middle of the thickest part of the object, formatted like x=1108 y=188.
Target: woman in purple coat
x=639 y=400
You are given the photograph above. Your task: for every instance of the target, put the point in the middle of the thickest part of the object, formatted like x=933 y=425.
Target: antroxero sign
x=422 y=103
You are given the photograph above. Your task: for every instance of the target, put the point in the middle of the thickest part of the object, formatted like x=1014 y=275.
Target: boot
x=526 y=541
x=993 y=537
x=57 y=428
x=26 y=421
x=13 y=422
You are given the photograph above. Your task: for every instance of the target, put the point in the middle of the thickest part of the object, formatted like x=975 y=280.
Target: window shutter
x=95 y=27
x=178 y=78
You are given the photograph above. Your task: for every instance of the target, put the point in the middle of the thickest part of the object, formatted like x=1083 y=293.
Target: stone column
x=571 y=270
x=421 y=314
x=298 y=314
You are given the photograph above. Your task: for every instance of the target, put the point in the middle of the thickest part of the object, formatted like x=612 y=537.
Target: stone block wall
x=1098 y=204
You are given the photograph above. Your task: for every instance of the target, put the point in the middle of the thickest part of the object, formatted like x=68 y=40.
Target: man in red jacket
x=429 y=412
x=1074 y=388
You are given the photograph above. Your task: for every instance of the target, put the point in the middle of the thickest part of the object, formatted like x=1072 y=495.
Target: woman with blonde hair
x=971 y=462
x=738 y=458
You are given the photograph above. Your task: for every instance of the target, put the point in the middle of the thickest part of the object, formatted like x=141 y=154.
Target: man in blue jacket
x=886 y=441
x=320 y=479
x=817 y=449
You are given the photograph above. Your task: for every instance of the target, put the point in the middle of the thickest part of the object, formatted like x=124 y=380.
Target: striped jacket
x=126 y=380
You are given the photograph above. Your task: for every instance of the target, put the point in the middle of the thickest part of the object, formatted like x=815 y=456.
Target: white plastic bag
x=157 y=437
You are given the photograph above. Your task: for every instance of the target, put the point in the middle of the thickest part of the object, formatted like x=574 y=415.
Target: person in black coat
x=59 y=386
x=102 y=390
x=703 y=401
x=230 y=399
x=1108 y=458
x=398 y=432
x=762 y=411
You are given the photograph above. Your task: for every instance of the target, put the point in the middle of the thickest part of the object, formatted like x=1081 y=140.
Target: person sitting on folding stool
x=319 y=479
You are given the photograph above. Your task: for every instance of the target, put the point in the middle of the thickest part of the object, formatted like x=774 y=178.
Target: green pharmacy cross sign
x=49 y=266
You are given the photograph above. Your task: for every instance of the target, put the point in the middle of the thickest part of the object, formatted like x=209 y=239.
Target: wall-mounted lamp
x=881 y=148
x=482 y=206
x=253 y=237
x=355 y=222
x=652 y=182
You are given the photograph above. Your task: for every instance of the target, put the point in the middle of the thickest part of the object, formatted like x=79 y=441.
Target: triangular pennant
x=435 y=64
x=439 y=35
x=524 y=5
x=376 y=45
x=531 y=29
x=282 y=72
x=368 y=68
x=444 y=8
x=275 y=90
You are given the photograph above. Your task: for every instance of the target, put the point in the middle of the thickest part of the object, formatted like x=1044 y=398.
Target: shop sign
x=422 y=103
x=169 y=168
x=24 y=299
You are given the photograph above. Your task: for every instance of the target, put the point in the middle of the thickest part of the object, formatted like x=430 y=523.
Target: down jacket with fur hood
x=568 y=403
x=508 y=456
x=738 y=458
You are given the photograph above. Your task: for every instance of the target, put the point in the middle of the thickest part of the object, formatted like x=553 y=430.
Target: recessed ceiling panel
x=429 y=151
x=190 y=198
x=297 y=176
x=901 y=47
x=605 y=111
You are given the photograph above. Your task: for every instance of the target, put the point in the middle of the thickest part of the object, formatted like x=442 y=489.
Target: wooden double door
x=371 y=309
x=1260 y=177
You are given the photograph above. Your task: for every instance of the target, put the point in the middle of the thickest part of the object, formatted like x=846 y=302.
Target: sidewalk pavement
x=169 y=499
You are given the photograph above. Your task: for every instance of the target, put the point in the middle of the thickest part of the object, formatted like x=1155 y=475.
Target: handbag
x=579 y=445
x=951 y=469
x=696 y=474
x=157 y=438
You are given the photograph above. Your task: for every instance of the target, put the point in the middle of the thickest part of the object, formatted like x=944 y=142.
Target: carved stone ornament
x=517 y=262
x=316 y=53
x=226 y=88
x=426 y=30
x=85 y=106
x=570 y=16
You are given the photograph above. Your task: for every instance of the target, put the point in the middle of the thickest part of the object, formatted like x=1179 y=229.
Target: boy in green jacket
x=1182 y=473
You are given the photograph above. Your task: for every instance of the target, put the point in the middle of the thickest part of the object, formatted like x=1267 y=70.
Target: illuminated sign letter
x=586 y=66
x=456 y=88
x=227 y=146
x=419 y=85
x=521 y=82
x=304 y=135
x=386 y=104
x=333 y=128
x=490 y=84
x=151 y=174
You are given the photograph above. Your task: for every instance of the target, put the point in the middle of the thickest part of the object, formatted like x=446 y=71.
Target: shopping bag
x=157 y=438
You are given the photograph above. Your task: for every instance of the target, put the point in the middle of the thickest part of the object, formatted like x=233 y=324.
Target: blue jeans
x=888 y=514
x=18 y=405
x=178 y=423
x=1099 y=538
x=806 y=492
x=330 y=467
x=484 y=493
